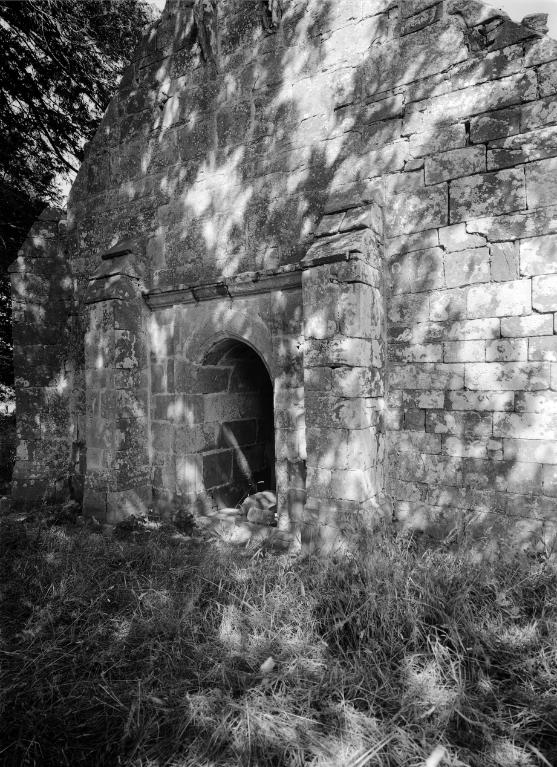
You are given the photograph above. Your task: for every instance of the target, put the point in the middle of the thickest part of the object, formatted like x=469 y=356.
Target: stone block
x=447 y=304
x=542 y=348
x=417 y=272
x=464 y=351
x=326 y=410
x=529 y=223
x=460 y=423
x=131 y=502
x=455 y=238
x=465 y=447
x=541 y=183
x=318 y=378
x=415 y=352
x=495 y=125
x=417 y=210
x=408 y=242
x=510 y=376
x=539 y=113
x=134 y=378
x=127 y=316
x=538 y=255
x=177 y=408
x=501 y=299
x=431 y=140
x=525 y=147
x=238 y=433
x=476 y=99
x=357 y=382
x=427 y=376
x=413 y=419
x=504 y=261
x=408 y=308
x=320 y=319
x=422 y=399
x=360 y=312
x=479 y=195
x=536 y=426
x=210 y=379
x=162 y=435
x=507 y=350
x=352 y=485
x=463 y=330
x=341 y=448
x=454 y=164
x=532 y=450
x=547 y=74
x=467 y=267
x=217 y=468
x=544 y=293
x=415 y=442
x=536 y=402
x=533 y=325
x=338 y=351
x=129 y=350
x=549 y=480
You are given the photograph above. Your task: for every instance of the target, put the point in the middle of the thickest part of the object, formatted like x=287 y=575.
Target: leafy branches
x=60 y=61
x=59 y=65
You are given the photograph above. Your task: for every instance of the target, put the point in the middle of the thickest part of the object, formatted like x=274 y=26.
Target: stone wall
x=8 y=443
x=363 y=191
x=48 y=366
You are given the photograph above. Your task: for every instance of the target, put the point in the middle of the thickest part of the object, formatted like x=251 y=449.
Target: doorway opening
x=238 y=417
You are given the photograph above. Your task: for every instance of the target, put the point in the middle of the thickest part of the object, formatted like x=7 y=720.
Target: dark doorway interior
x=238 y=414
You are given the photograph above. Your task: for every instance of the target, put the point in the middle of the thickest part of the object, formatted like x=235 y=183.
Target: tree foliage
x=59 y=64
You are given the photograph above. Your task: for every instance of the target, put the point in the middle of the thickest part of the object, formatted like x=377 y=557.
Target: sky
x=517 y=9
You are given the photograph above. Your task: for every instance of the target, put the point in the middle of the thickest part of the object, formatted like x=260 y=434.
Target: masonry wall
x=48 y=367
x=241 y=149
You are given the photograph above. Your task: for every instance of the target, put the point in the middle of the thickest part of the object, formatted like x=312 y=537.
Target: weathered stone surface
x=456 y=238
x=541 y=182
x=464 y=351
x=543 y=348
x=538 y=255
x=507 y=350
x=507 y=375
x=504 y=261
x=499 y=300
x=309 y=233
x=544 y=293
x=487 y=192
x=467 y=267
x=532 y=325
x=413 y=211
x=453 y=164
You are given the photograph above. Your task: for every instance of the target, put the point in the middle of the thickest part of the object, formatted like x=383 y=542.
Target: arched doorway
x=238 y=421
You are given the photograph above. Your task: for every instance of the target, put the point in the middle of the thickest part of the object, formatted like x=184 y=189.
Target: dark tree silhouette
x=59 y=64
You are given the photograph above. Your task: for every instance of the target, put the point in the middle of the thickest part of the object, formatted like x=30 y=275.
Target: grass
x=154 y=648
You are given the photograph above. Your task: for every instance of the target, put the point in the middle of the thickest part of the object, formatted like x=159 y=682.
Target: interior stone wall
x=270 y=153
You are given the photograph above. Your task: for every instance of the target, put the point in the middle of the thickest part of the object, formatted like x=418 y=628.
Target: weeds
x=161 y=650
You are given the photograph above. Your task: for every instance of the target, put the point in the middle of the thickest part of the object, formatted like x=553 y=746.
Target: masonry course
x=363 y=195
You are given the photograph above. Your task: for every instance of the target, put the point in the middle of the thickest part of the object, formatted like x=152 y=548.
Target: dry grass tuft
x=159 y=650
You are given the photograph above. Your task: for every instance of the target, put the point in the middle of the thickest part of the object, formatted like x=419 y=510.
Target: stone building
x=313 y=245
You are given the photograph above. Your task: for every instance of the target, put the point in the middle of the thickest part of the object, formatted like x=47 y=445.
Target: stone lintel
x=248 y=283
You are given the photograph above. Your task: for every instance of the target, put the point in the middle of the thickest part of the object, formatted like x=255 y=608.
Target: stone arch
x=232 y=323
